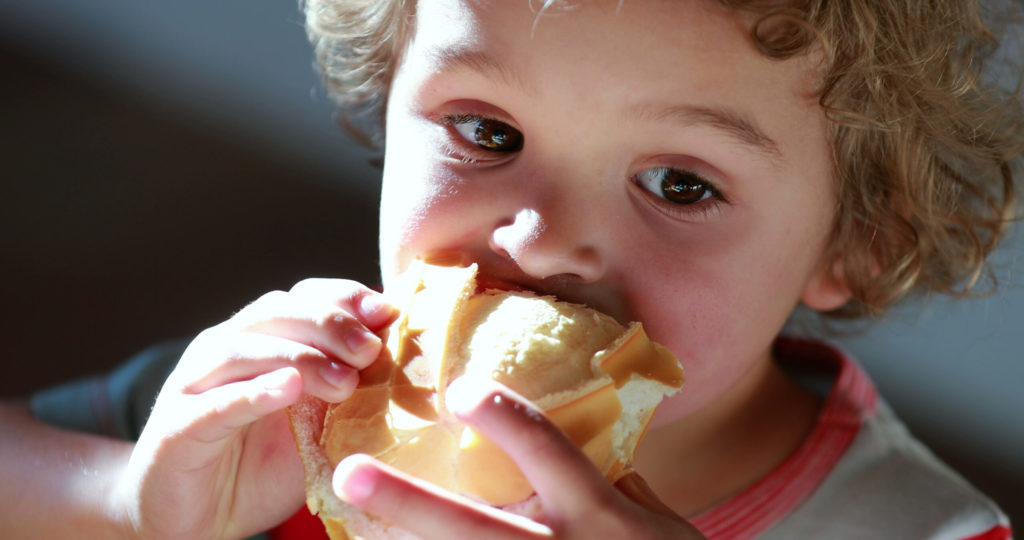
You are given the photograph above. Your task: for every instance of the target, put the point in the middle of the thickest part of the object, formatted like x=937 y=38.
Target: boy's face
x=666 y=172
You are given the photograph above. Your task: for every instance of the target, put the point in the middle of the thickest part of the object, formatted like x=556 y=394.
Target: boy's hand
x=576 y=500
x=216 y=458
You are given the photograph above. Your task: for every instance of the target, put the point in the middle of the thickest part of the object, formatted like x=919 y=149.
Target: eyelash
x=711 y=200
x=460 y=148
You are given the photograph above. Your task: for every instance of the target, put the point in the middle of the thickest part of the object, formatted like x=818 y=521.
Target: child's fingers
x=563 y=477
x=369 y=306
x=316 y=322
x=424 y=508
x=221 y=358
x=222 y=411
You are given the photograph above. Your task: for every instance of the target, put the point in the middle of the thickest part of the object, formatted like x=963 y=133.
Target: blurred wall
x=127 y=224
x=166 y=163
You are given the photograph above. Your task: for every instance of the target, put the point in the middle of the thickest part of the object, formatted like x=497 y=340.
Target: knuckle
x=202 y=341
x=334 y=320
x=542 y=439
x=212 y=342
x=272 y=297
x=341 y=287
x=307 y=284
x=307 y=356
x=265 y=302
x=541 y=435
x=193 y=358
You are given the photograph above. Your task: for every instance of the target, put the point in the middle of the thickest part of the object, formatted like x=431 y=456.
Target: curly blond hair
x=926 y=144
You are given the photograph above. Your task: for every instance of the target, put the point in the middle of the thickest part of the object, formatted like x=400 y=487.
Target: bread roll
x=597 y=380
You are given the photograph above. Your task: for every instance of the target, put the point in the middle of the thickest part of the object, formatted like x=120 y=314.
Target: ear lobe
x=826 y=289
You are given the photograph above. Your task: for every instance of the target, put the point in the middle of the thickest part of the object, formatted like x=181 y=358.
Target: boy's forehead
x=682 y=61
x=448 y=16
x=490 y=35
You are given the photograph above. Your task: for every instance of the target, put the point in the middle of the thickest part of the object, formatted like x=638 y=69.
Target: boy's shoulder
x=888 y=483
x=859 y=474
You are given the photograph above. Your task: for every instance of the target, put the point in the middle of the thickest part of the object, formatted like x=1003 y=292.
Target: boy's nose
x=544 y=247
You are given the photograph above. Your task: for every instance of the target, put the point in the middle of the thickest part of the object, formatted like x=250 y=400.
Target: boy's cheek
x=708 y=303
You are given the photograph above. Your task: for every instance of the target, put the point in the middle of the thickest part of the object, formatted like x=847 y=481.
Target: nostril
x=512 y=236
x=541 y=251
x=586 y=264
x=497 y=248
x=504 y=222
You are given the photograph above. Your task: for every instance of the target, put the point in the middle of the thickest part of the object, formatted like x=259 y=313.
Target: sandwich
x=598 y=380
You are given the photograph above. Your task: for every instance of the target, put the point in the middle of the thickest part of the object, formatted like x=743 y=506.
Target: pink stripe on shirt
x=851 y=399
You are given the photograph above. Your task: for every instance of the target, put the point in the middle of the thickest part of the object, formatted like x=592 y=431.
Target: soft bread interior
x=597 y=380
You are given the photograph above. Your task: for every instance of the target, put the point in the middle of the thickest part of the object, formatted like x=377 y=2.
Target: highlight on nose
x=513 y=237
x=543 y=251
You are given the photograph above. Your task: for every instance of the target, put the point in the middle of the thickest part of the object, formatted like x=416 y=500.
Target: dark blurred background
x=165 y=163
x=163 y=166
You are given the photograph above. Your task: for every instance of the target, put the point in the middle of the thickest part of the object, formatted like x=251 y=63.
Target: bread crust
x=596 y=379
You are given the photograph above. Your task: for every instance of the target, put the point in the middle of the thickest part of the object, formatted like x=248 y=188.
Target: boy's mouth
x=604 y=301
x=489 y=277
x=485 y=283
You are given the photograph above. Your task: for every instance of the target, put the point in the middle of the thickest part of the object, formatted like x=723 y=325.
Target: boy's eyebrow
x=734 y=123
x=453 y=58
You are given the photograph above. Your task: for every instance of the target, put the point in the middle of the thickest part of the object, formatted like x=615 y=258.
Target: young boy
x=702 y=167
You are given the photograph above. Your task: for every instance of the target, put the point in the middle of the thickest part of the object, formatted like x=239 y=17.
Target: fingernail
x=375 y=310
x=465 y=393
x=356 y=339
x=352 y=483
x=469 y=396
x=335 y=374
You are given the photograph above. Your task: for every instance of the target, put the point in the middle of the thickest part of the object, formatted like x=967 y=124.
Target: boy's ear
x=827 y=289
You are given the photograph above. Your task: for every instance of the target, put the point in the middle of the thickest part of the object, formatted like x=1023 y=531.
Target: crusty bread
x=597 y=380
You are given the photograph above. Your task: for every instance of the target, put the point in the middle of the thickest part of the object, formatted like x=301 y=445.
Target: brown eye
x=676 y=186
x=489 y=134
